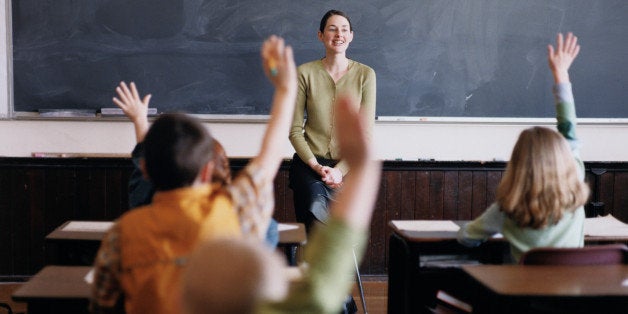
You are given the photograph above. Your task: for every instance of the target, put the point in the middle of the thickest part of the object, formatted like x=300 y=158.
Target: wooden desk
x=555 y=289
x=75 y=242
x=417 y=266
x=69 y=245
x=415 y=274
x=56 y=289
x=291 y=237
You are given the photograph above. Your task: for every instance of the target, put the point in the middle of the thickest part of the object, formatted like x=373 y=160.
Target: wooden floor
x=375 y=293
x=375 y=290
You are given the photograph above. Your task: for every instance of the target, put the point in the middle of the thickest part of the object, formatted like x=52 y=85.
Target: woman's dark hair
x=177 y=147
x=331 y=13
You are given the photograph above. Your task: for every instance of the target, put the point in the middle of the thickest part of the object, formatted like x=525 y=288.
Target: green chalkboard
x=475 y=58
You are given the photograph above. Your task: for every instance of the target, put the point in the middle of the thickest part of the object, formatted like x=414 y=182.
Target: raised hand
x=355 y=202
x=355 y=146
x=561 y=58
x=278 y=62
x=129 y=101
x=134 y=108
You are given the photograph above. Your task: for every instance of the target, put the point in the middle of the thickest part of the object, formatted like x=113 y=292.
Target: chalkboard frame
x=8 y=109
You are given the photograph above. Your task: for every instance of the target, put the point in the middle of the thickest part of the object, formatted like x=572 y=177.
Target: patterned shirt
x=251 y=196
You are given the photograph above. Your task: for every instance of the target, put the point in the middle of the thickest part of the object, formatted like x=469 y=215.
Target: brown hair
x=541 y=180
x=177 y=147
x=331 y=13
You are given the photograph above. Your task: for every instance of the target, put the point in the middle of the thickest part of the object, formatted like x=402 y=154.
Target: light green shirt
x=568 y=232
x=330 y=273
x=316 y=96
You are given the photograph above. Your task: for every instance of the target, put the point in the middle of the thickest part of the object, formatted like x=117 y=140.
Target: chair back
x=607 y=254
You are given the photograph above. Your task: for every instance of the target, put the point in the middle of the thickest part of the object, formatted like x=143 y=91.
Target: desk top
x=292 y=234
x=56 y=282
x=289 y=233
x=416 y=234
x=599 y=229
x=552 y=280
x=80 y=230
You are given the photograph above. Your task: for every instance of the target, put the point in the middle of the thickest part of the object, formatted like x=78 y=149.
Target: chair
x=607 y=254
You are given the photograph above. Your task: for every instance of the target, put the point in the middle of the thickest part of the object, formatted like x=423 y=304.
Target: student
x=141 y=190
x=316 y=168
x=229 y=276
x=539 y=201
x=141 y=258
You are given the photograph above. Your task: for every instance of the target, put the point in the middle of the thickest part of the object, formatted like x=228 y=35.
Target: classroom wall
x=411 y=140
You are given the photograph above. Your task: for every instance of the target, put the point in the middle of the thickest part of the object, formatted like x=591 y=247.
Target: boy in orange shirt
x=142 y=257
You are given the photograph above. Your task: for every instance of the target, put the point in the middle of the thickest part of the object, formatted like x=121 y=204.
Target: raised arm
x=367 y=109
x=136 y=109
x=133 y=107
x=330 y=249
x=560 y=60
x=355 y=202
x=279 y=67
x=252 y=189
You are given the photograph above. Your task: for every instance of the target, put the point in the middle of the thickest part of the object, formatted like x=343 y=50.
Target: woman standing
x=316 y=170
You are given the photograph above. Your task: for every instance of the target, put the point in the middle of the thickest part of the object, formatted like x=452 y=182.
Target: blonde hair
x=541 y=180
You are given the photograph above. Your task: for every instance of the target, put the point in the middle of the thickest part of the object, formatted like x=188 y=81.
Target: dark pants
x=311 y=195
x=312 y=198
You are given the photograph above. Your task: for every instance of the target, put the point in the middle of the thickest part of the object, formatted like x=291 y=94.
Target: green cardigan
x=316 y=95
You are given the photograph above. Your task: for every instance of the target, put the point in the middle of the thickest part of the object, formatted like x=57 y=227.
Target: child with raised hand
x=539 y=201
x=141 y=190
x=143 y=255
x=227 y=276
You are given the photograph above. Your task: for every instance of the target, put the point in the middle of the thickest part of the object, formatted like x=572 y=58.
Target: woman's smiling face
x=337 y=34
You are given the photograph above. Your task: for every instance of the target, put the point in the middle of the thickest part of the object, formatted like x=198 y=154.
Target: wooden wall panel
x=450 y=195
x=6 y=213
x=435 y=205
x=408 y=188
x=465 y=195
x=36 y=195
x=478 y=201
x=422 y=192
x=620 y=196
x=377 y=244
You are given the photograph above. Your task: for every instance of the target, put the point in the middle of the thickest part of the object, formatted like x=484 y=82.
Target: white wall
x=441 y=140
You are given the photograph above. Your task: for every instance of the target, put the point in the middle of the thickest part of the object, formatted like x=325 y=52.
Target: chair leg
x=357 y=271
x=7 y=307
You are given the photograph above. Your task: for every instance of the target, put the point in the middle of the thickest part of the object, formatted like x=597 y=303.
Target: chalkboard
x=443 y=58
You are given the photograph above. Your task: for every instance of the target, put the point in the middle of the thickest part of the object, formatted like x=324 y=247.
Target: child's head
x=541 y=180
x=177 y=147
x=231 y=276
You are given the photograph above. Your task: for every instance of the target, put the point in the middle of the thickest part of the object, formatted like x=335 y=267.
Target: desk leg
x=397 y=274
x=412 y=288
x=291 y=254
x=405 y=293
x=77 y=306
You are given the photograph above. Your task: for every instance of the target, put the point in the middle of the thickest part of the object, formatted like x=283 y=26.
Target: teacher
x=316 y=170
